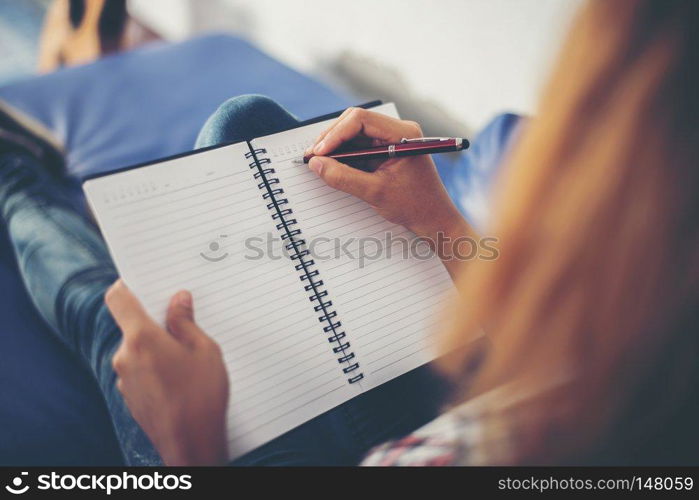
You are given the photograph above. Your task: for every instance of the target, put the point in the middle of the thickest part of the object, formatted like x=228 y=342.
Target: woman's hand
x=174 y=381
x=406 y=191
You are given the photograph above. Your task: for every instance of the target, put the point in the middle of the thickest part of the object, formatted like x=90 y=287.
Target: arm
x=406 y=191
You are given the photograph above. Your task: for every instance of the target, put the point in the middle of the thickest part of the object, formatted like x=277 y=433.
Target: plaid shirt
x=477 y=432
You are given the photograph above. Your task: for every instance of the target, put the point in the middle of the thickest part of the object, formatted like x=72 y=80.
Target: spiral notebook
x=313 y=297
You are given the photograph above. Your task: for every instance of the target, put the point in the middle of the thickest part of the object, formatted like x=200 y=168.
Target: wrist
x=445 y=235
x=448 y=223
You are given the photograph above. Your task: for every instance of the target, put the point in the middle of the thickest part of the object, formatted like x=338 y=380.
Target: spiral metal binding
x=294 y=243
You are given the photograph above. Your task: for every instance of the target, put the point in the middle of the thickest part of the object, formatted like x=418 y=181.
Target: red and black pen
x=406 y=147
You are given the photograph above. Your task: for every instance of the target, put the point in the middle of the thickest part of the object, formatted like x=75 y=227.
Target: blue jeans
x=66 y=268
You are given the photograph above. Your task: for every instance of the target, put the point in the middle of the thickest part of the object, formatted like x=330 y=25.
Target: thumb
x=180 y=318
x=343 y=177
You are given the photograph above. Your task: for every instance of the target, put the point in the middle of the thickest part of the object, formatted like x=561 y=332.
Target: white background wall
x=464 y=59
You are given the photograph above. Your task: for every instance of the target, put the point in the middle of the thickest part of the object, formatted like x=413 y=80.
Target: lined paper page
x=388 y=301
x=183 y=224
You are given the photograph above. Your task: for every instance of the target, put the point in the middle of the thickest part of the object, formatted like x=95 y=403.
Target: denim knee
x=247 y=107
x=82 y=317
x=244 y=117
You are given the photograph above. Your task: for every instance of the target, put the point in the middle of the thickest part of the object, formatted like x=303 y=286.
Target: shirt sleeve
x=412 y=451
x=468 y=434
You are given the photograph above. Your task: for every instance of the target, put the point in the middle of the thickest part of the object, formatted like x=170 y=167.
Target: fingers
x=135 y=323
x=126 y=308
x=361 y=184
x=325 y=132
x=180 y=319
x=356 y=121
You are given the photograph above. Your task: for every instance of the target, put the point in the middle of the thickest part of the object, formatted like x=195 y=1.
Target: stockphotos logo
x=105 y=483
x=17 y=486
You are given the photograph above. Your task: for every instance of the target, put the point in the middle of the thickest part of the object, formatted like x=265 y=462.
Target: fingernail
x=319 y=149
x=184 y=298
x=316 y=164
x=309 y=151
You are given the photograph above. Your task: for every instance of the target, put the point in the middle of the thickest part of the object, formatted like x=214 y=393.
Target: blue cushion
x=469 y=177
x=121 y=110
x=149 y=103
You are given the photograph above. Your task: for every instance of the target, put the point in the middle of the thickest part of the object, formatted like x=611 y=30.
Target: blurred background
x=499 y=50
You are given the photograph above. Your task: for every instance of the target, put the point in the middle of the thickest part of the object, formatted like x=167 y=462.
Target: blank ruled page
x=386 y=286
x=199 y=223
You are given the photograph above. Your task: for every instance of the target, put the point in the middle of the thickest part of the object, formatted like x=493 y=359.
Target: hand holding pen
x=405 y=188
x=357 y=123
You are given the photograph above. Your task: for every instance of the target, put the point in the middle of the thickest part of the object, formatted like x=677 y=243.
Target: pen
x=406 y=147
